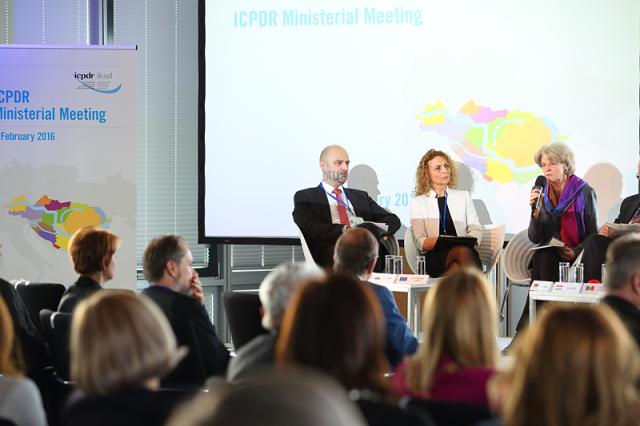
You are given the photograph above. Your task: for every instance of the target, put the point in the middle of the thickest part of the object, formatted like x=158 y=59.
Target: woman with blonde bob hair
x=459 y=352
x=440 y=210
x=121 y=346
x=577 y=366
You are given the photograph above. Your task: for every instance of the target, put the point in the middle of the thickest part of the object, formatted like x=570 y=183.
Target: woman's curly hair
x=423 y=183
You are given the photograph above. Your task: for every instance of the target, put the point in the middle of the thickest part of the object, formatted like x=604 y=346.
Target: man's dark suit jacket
x=189 y=320
x=596 y=245
x=312 y=214
x=627 y=312
x=77 y=292
x=628 y=208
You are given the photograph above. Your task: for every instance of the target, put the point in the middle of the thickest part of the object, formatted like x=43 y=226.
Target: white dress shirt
x=333 y=204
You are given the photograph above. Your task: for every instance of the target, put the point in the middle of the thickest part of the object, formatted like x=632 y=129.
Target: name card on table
x=541 y=286
x=567 y=288
x=379 y=278
x=593 y=288
x=413 y=279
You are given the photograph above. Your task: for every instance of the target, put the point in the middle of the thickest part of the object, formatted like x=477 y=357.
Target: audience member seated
x=623 y=282
x=29 y=336
x=595 y=246
x=275 y=292
x=20 y=400
x=459 y=352
x=176 y=289
x=284 y=398
x=121 y=345
x=93 y=254
x=576 y=366
x=355 y=255
x=336 y=327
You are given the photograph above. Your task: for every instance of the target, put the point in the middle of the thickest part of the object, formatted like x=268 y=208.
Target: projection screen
x=488 y=82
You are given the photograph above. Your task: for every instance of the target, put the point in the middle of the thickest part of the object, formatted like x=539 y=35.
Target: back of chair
x=451 y=413
x=308 y=257
x=38 y=296
x=243 y=316
x=411 y=249
x=56 y=327
x=491 y=245
x=517 y=256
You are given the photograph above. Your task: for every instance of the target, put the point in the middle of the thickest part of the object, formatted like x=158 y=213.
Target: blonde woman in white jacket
x=438 y=209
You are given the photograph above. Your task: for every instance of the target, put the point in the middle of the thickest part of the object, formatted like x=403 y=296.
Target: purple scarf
x=570 y=208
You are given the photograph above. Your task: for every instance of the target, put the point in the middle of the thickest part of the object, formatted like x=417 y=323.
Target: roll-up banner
x=67 y=156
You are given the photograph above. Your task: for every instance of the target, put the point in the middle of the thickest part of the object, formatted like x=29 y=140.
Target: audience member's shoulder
x=378 y=289
x=262 y=344
x=129 y=407
x=7 y=289
x=18 y=389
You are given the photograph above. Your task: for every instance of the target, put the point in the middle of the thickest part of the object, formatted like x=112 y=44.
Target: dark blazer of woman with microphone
x=564 y=209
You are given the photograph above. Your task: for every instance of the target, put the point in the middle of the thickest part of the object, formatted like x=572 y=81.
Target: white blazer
x=425 y=215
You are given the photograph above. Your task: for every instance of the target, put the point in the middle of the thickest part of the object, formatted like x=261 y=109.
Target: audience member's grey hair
x=283 y=398
x=623 y=260
x=355 y=250
x=277 y=288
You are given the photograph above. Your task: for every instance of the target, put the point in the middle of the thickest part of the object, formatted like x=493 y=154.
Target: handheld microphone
x=541 y=183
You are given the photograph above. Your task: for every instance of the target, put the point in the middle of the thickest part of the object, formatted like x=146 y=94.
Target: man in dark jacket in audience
x=622 y=279
x=176 y=289
x=356 y=254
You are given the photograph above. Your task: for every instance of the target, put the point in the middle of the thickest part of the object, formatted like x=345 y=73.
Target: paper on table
x=380 y=225
x=623 y=228
x=553 y=243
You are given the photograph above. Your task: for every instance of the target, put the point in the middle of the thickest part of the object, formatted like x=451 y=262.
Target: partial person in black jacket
x=34 y=348
x=176 y=289
x=32 y=344
x=93 y=254
x=623 y=282
x=324 y=212
x=595 y=247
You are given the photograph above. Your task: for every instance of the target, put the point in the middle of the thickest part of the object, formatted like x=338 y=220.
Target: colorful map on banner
x=500 y=144
x=55 y=221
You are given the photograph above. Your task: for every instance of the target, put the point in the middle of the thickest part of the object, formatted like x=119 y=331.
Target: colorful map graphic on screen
x=56 y=221
x=500 y=144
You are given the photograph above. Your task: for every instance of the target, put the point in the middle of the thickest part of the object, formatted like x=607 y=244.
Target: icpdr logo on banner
x=101 y=82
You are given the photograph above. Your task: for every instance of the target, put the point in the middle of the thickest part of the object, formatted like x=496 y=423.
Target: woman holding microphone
x=564 y=209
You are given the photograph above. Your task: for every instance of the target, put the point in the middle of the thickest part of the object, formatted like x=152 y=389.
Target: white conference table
x=554 y=296
x=414 y=286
